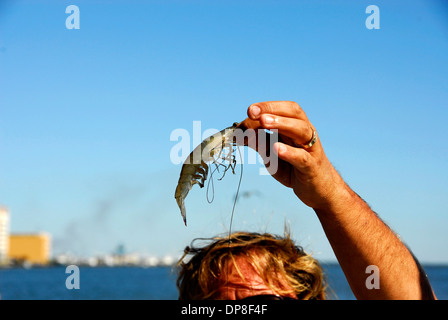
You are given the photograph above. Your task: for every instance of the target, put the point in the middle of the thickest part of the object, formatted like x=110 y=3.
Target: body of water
x=136 y=283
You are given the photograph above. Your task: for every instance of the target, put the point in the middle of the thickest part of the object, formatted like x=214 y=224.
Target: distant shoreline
x=59 y=265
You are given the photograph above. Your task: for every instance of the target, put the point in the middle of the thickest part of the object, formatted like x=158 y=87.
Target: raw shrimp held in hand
x=195 y=168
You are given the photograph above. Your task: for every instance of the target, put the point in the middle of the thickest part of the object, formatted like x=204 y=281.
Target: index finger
x=288 y=109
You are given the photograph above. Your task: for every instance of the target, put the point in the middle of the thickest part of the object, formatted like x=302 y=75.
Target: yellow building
x=32 y=248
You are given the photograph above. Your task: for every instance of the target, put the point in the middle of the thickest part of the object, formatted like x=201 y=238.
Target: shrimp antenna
x=210 y=180
x=228 y=157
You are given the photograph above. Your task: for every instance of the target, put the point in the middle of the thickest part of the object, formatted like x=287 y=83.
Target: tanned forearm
x=359 y=239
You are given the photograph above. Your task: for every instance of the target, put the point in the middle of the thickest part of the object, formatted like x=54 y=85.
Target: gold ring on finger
x=312 y=141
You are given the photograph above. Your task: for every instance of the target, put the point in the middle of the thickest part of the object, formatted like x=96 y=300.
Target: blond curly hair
x=273 y=258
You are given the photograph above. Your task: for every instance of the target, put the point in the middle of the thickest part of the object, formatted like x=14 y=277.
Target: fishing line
x=231 y=218
x=237 y=191
x=210 y=181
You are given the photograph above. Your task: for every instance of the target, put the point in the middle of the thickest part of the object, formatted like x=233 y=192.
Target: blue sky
x=86 y=115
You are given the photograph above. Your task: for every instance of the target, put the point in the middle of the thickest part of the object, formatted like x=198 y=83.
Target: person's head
x=247 y=264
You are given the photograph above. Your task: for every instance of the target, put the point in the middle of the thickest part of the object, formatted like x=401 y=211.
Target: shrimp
x=195 y=168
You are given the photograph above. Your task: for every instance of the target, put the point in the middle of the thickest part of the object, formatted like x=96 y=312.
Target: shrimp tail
x=191 y=174
x=181 y=204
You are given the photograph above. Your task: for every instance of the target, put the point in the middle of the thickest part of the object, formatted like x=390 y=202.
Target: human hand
x=306 y=170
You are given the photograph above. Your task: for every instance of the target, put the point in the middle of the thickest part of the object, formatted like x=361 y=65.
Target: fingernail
x=268 y=119
x=255 y=111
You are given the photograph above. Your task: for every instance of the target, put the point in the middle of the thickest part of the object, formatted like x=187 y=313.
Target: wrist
x=339 y=198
